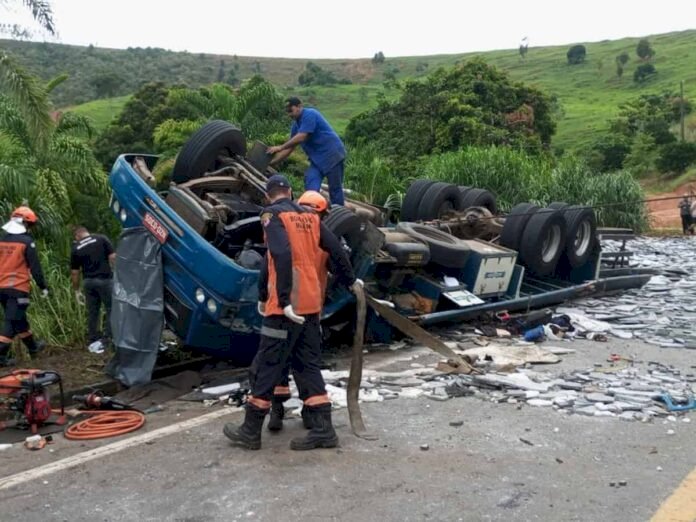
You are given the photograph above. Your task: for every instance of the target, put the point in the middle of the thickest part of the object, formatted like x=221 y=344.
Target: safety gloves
x=79 y=297
x=261 y=307
x=290 y=314
x=357 y=285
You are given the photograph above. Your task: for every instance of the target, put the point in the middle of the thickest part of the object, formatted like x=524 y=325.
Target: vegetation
x=576 y=54
x=588 y=96
x=471 y=104
x=315 y=75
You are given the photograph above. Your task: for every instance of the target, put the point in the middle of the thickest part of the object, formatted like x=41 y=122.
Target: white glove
x=290 y=314
x=261 y=307
x=358 y=283
x=79 y=297
x=44 y=293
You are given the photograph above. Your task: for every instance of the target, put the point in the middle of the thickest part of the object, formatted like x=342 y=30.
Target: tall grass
x=513 y=176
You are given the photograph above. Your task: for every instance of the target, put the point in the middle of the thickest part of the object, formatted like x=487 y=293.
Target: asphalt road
x=505 y=462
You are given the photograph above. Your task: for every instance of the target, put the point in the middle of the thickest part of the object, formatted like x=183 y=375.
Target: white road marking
x=110 y=449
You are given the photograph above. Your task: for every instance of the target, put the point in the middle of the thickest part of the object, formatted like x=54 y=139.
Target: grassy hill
x=588 y=94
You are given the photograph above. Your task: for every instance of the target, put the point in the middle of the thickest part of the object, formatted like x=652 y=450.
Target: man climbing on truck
x=322 y=145
x=290 y=299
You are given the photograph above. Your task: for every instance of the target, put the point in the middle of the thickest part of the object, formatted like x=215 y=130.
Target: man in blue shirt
x=322 y=145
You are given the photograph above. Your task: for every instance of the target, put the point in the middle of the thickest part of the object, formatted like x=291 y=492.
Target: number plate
x=155 y=227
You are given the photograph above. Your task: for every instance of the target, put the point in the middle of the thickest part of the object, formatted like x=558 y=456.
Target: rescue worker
x=685 y=213
x=19 y=262
x=290 y=300
x=94 y=256
x=317 y=203
x=322 y=145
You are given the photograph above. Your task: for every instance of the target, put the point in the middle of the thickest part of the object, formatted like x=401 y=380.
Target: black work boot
x=322 y=434
x=248 y=435
x=306 y=418
x=275 y=421
x=4 y=358
x=33 y=347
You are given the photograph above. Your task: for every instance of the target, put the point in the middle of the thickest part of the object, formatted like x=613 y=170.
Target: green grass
x=101 y=112
x=589 y=93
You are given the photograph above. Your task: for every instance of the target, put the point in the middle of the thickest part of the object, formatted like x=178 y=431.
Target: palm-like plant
x=46 y=161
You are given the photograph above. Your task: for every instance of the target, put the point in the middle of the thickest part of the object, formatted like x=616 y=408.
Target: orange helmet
x=314 y=200
x=27 y=214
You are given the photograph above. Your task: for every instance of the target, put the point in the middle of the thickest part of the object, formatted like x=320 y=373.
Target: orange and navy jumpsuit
x=19 y=262
x=290 y=274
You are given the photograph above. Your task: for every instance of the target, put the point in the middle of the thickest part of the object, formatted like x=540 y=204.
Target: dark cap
x=293 y=101
x=277 y=181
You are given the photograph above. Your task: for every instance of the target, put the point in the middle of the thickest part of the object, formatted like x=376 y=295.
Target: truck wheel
x=464 y=190
x=200 y=153
x=439 y=199
x=412 y=199
x=515 y=222
x=445 y=249
x=347 y=225
x=543 y=241
x=479 y=198
x=558 y=205
x=581 y=229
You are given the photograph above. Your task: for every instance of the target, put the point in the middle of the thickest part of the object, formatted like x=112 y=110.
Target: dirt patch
x=665 y=213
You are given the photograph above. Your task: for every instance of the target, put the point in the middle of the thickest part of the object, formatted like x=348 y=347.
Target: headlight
x=200 y=296
x=212 y=306
x=116 y=206
x=123 y=215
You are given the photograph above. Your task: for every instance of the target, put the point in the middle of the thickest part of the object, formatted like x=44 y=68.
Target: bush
x=644 y=72
x=576 y=54
x=676 y=157
x=644 y=50
x=371 y=176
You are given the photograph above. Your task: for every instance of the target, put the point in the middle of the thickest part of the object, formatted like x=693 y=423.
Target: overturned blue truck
x=446 y=257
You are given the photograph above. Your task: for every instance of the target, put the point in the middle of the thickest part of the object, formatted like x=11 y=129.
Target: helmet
x=27 y=214
x=314 y=200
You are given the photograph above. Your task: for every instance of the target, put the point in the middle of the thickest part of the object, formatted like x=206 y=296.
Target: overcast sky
x=353 y=28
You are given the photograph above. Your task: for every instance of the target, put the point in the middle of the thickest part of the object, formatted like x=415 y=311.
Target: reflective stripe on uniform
x=23 y=300
x=273 y=333
x=317 y=400
x=26 y=334
x=281 y=390
x=5 y=340
x=262 y=404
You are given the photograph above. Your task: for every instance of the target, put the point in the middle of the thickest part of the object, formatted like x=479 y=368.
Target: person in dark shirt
x=685 y=214
x=322 y=145
x=93 y=255
x=19 y=264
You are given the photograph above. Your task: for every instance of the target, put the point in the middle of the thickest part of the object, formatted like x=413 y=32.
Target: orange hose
x=105 y=424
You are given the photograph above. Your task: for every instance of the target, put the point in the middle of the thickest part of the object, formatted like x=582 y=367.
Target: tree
x=42 y=13
x=644 y=50
x=51 y=166
x=106 y=84
x=524 y=47
x=378 y=58
x=232 y=77
x=221 y=72
x=471 y=104
x=315 y=75
x=676 y=157
x=621 y=61
x=576 y=54
x=643 y=72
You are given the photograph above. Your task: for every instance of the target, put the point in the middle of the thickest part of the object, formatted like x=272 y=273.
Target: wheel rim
x=551 y=245
x=582 y=239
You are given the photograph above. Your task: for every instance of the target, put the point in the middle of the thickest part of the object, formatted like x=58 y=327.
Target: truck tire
x=445 y=249
x=409 y=254
x=412 y=199
x=479 y=198
x=464 y=190
x=581 y=234
x=543 y=241
x=347 y=225
x=514 y=225
x=558 y=205
x=439 y=199
x=200 y=153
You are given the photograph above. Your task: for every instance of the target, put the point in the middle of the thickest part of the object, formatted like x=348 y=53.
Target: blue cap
x=277 y=180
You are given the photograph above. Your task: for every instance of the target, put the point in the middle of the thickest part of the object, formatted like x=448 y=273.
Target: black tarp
x=137 y=315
